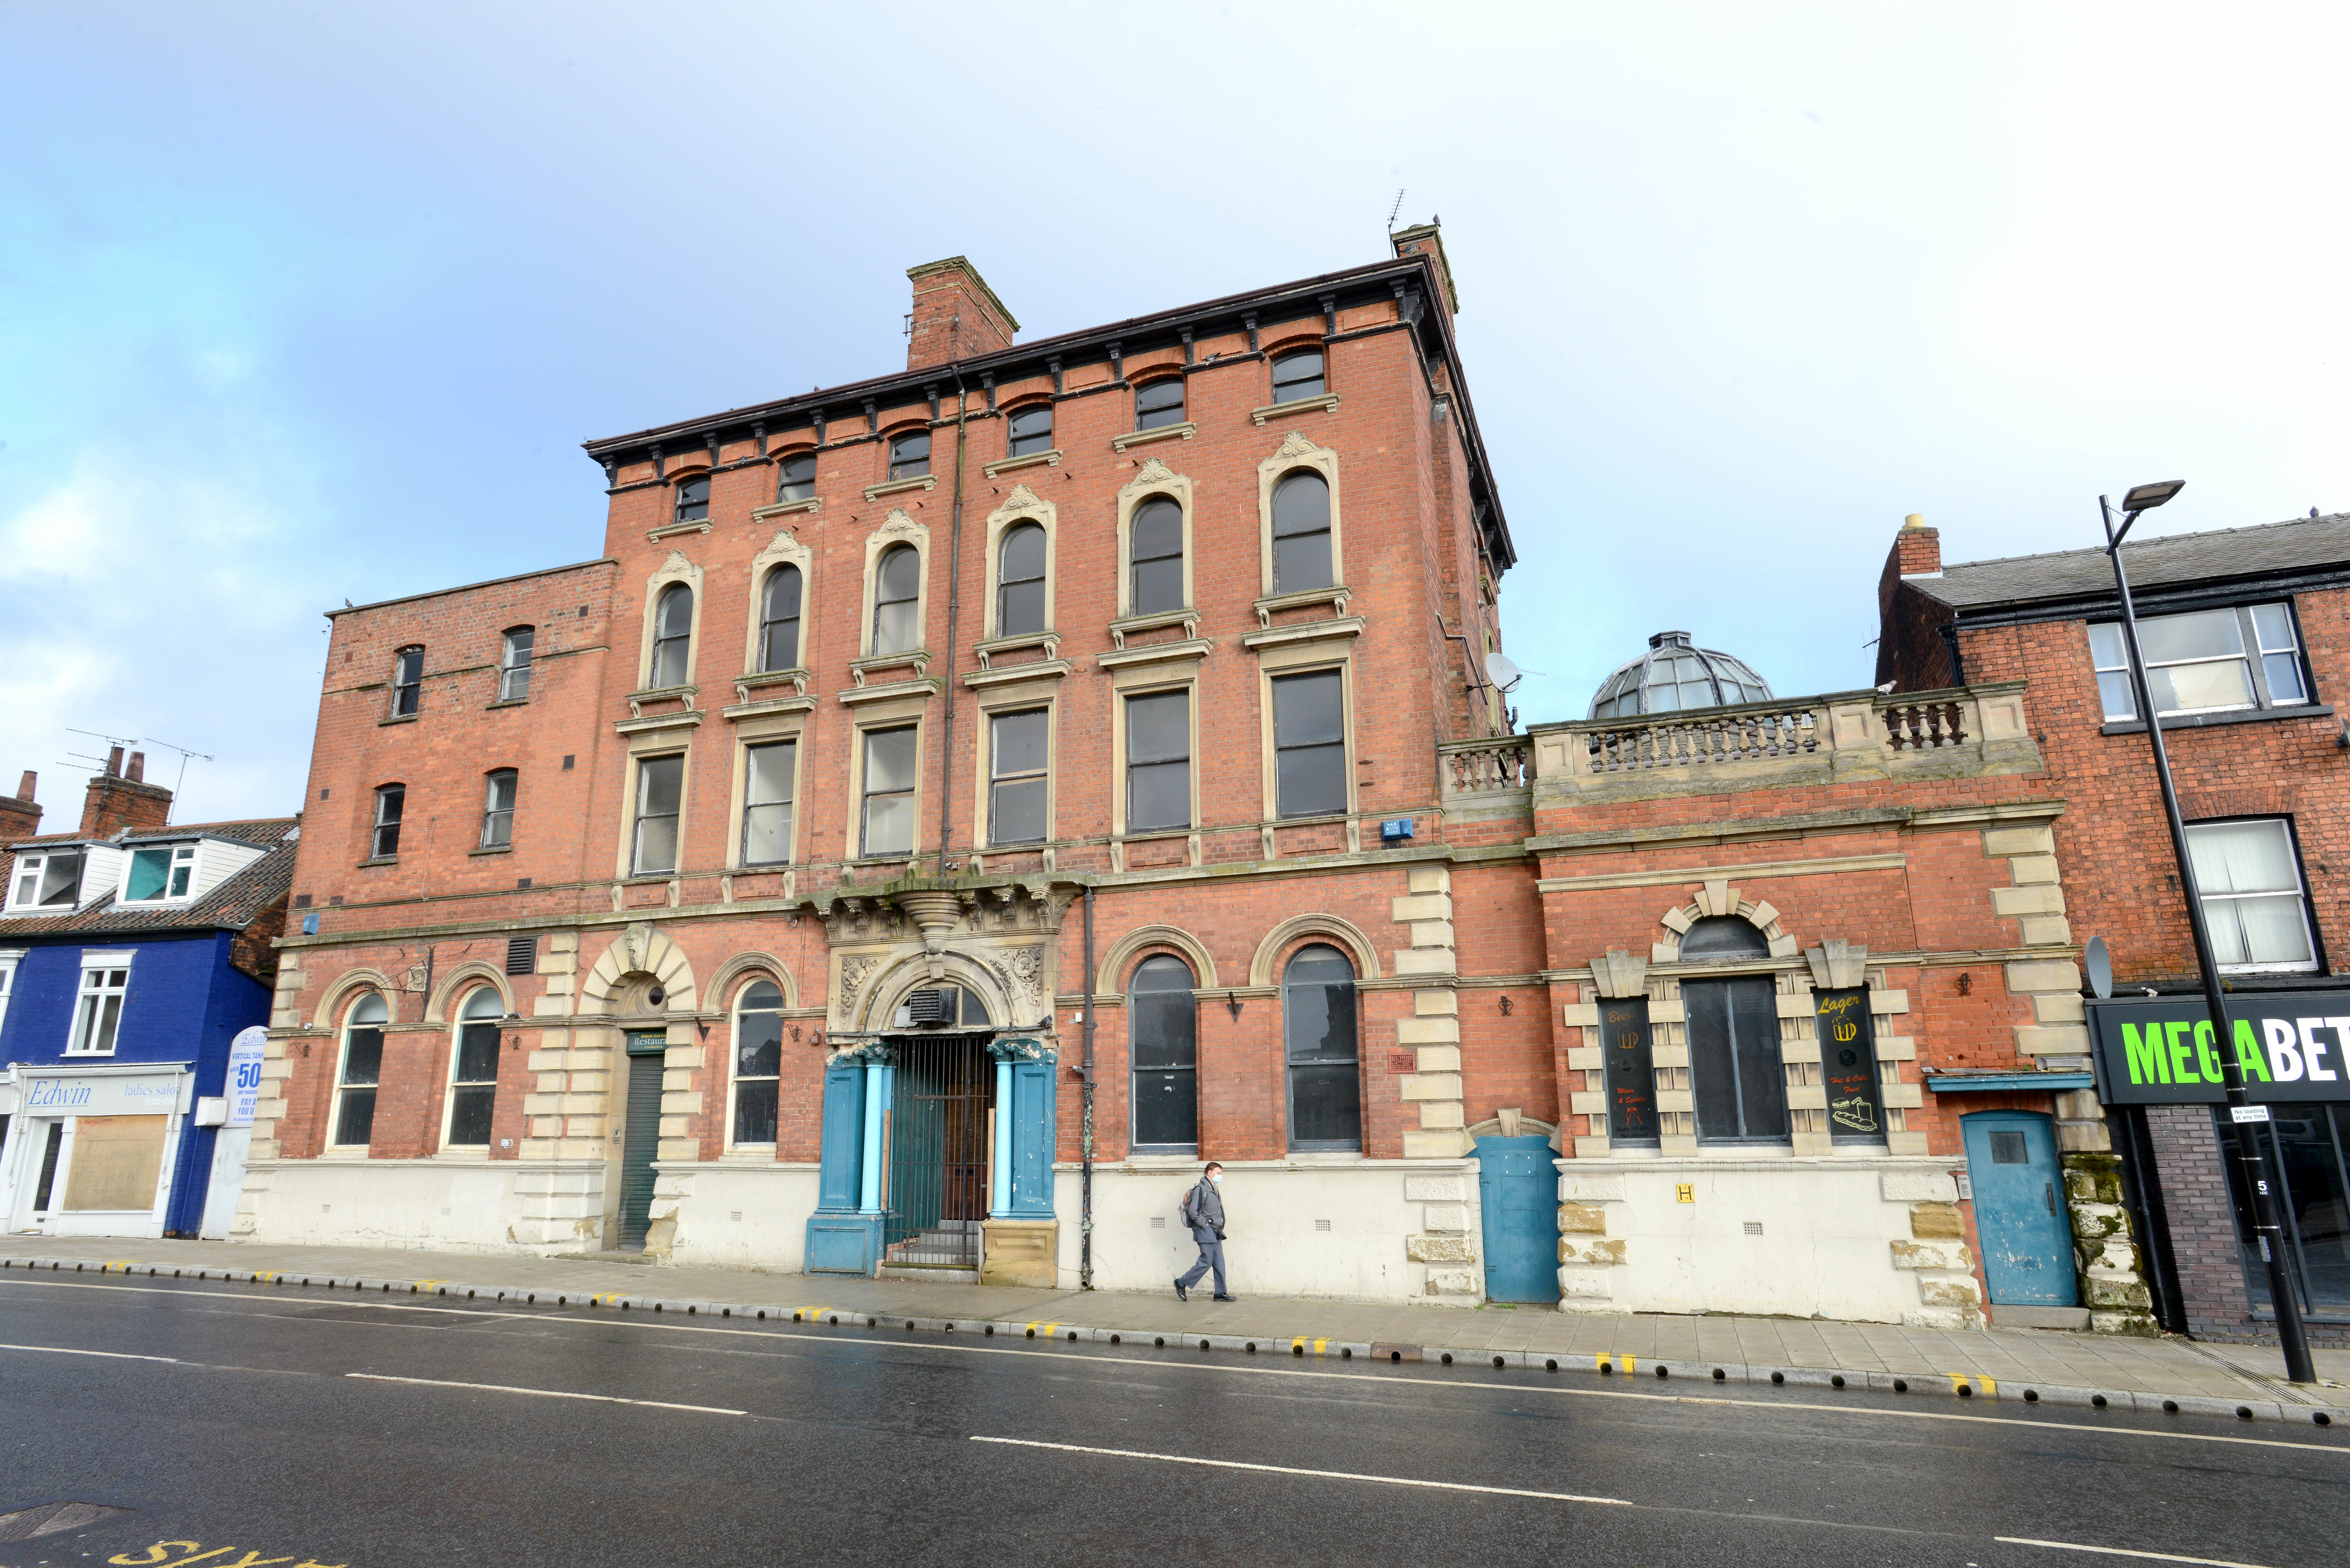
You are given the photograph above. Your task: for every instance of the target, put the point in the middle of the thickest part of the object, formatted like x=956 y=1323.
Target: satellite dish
x=2101 y=967
x=1502 y=672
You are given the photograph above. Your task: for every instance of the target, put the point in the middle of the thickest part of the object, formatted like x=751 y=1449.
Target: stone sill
x=1014 y=674
x=901 y=486
x=1026 y=460
x=2173 y=722
x=492 y=849
x=511 y=702
x=783 y=508
x=401 y=719
x=1183 y=430
x=1195 y=647
x=381 y=860
x=1319 y=400
x=668 y=531
x=1331 y=629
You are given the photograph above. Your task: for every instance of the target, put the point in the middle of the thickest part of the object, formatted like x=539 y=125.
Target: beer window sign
x=1848 y=1067
x=1631 y=1070
x=2291 y=1046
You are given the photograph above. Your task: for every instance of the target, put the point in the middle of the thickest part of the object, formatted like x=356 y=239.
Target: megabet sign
x=2291 y=1046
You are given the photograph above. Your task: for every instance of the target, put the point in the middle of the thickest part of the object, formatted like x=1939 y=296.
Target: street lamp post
x=2244 y=1115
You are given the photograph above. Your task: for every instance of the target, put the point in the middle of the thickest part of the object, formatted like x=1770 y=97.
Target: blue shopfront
x=937 y=1160
x=112 y=1096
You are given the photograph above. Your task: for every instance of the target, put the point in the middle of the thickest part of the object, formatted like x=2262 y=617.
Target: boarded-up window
x=115 y=1162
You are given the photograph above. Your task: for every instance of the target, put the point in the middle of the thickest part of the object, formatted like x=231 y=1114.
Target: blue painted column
x=999 y=1204
x=876 y=1105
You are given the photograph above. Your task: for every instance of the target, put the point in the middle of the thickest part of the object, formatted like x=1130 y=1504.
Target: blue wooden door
x=1517 y=1187
x=2020 y=1212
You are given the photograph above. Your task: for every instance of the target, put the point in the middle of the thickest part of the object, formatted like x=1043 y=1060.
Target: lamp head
x=2145 y=497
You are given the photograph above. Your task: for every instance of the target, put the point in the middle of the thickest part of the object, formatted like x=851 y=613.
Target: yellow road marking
x=1043 y=1330
x=607 y=1298
x=1983 y=1385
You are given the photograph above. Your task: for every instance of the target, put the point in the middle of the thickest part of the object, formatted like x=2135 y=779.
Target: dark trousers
x=1212 y=1256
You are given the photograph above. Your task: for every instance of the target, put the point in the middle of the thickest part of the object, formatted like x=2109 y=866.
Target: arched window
x=672 y=637
x=1155 y=557
x=758 y=1061
x=796 y=477
x=1301 y=532
x=909 y=455
x=362 y=1064
x=1162 y=1022
x=1029 y=430
x=779 y=619
x=1020 y=581
x=898 y=601
x=1298 y=375
x=694 y=498
x=474 y=1085
x=1158 y=402
x=1735 y=1077
x=1317 y=1031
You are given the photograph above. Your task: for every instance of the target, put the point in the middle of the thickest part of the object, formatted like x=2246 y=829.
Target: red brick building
x=957 y=803
x=2244 y=633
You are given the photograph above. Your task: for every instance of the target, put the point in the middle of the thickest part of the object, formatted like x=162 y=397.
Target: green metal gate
x=941 y=1117
x=640 y=1136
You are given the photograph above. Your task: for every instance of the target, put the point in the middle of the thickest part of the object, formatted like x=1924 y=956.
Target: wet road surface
x=239 y=1426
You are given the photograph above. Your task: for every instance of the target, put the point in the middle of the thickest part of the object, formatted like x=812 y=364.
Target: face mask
x=1218 y=1178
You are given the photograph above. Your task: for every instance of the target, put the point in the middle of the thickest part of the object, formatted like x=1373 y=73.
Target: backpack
x=1183 y=1209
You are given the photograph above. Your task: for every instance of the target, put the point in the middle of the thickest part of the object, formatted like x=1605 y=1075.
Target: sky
x=308 y=303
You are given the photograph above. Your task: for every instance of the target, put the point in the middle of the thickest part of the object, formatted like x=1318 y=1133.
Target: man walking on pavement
x=1204 y=1211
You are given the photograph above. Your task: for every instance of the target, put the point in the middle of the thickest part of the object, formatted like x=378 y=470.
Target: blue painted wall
x=186 y=1003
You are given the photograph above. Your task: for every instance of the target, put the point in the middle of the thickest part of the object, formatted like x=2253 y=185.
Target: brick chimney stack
x=1917 y=552
x=956 y=316
x=1423 y=239
x=19 y=817
x=115 y=802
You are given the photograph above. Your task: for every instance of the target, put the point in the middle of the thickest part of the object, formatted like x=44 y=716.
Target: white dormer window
x=49 y=881
x=159 y=872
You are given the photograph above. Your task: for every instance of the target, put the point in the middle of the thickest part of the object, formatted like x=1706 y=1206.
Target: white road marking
x=545 y=1393
x=1274 y=1368
x=110 y=1355
x=1293 y=1470
x=2123 y=1551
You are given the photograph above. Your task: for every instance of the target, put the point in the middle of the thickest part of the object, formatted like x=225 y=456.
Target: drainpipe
x=1949 y=631
x=1085 y=1143
x=954 y=606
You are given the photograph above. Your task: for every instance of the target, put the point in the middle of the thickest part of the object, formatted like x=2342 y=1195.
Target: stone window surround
x=1154 y=478
x=473 y=978
x=783 y=550
x=889 y=713
x=738 y=976
x=1834 y=964
x=677 y=568
x=1023 y=505
x=1141 y=680
x=898 y=528
x=643 y=747
x=764 y=729
x=350 y=995
x=1017 y=698
x=1307 y=658
x=1295 y=453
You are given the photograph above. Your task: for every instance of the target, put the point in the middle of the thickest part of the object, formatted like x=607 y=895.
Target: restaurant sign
x=2293 y=1046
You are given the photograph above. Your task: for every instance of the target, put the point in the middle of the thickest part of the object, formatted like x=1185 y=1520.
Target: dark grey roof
x=231 y=906
x=2268 y=549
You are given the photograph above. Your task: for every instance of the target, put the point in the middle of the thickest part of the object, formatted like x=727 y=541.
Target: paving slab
x=2173 y=1375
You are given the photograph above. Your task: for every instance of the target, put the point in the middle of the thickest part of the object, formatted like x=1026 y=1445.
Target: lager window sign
x=1848 y=1067
x=1631 y=1075
x=245 y=1074
x=2291 y=1046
